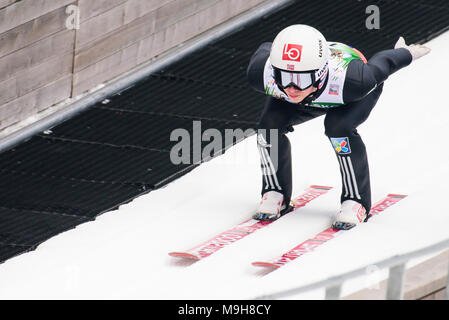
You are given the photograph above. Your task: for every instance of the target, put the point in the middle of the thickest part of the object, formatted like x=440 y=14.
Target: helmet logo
x=292 y=52
x=320 y=45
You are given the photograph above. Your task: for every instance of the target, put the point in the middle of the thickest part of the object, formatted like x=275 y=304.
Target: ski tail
x=324 y=236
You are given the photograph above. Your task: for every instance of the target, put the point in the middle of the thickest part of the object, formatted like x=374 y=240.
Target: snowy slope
x=123 y=254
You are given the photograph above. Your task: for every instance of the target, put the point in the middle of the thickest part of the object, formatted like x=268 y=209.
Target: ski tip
x=184 y=255
x=320 y=187
x=265 y=264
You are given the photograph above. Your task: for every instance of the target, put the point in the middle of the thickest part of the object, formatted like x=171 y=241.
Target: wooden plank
x=427 y=277
x=104 y=70
x=145 y=49
x=35 y=54
x=178 y=10
x=34 y=78
x=90 y=9
x=439 y=295
x=242 y=6
x=126 y=40
x=114 y=19
x=5 y=3
x=35 y=101
x=26 y=10
x=138 y=29
x=114 y=43
x=32 y=31
x=420 y=281
x=193 y=25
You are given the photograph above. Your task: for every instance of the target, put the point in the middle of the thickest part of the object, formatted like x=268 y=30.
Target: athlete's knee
x=269 y=127
x=338 y=126
x=270 y=120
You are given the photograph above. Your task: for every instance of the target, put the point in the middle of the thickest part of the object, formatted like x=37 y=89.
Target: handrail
x=395 y=283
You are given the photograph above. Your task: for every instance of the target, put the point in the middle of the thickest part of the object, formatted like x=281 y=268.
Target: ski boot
x=350 y=215
x=271 y=206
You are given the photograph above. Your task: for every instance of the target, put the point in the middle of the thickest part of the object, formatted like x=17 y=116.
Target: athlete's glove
x=417 y=50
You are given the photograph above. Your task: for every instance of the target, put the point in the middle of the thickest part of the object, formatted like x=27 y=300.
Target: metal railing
x=395 y=285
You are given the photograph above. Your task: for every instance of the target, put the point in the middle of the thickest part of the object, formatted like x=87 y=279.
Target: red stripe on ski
x=323 y=237
x=245 y=228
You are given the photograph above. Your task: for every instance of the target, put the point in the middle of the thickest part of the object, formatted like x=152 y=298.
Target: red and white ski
x=323 y=237
x=244 y=229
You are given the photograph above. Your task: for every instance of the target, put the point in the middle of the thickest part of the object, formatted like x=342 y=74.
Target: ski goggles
x=298 y=80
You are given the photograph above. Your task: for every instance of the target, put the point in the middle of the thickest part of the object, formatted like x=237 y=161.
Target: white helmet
x=299 y=56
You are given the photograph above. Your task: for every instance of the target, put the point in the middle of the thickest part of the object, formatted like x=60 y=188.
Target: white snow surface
x=124 y=253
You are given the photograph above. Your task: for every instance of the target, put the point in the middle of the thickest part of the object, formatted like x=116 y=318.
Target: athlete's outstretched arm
x=363 y=78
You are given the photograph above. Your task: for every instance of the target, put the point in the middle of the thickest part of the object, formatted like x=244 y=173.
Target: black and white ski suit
x=350 y=92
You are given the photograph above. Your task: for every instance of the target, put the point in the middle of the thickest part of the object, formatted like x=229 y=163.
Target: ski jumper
x=346 y=98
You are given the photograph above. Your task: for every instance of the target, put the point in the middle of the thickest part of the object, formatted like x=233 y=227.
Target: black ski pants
x=279 y=117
